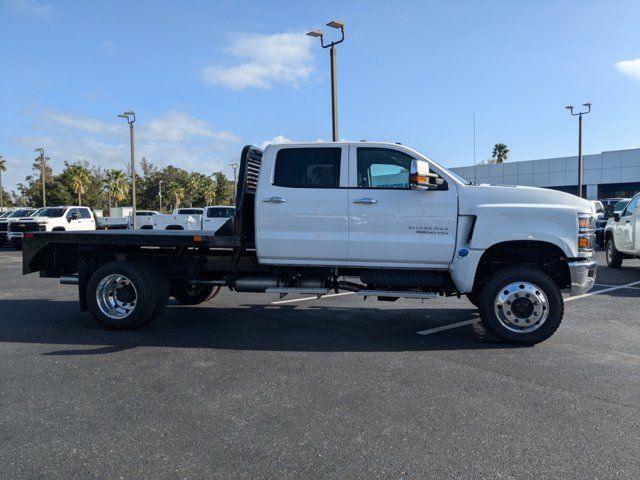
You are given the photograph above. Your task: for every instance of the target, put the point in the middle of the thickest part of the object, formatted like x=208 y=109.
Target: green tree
x=3 y=168
x=80 y=179
x=177 y=193
x=192 y=187
x=117 y=186
x=500 y=153
x=209 y=191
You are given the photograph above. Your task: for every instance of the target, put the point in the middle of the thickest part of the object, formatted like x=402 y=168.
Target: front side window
x=383 y=168
x=308 y=168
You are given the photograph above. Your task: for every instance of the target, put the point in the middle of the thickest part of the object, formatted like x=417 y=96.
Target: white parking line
x=447 y=327
x=607 y=285
x=305 y=299
x=598 y=292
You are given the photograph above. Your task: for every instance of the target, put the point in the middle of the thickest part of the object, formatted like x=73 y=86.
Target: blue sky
x=208 y=77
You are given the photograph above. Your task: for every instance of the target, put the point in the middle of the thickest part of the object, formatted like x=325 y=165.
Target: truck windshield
x=618 y=207
x=21 y=213
x=220 y=212
x=50 y=212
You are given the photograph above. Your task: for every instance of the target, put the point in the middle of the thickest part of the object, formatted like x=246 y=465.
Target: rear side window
x=220 y=212
x=84 y=213
x=308 y=168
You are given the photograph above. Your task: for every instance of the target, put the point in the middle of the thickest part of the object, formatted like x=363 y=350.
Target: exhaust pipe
x=69 y=280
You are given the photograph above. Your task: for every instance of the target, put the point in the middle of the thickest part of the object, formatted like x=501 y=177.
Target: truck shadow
x=315 y=328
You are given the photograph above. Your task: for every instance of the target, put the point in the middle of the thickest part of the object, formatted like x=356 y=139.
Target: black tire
x=613 y=256
x=147 y=285
x=17 y=245
x=193 y=295
x=525 y=278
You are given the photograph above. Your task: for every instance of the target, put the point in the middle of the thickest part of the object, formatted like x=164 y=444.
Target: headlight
x=586 y=232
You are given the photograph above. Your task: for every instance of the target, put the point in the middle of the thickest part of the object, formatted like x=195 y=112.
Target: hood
x=474 y=196
x=29 y=219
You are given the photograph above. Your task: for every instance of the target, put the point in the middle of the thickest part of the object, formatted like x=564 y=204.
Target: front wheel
x=521 y=305
x=614 y=257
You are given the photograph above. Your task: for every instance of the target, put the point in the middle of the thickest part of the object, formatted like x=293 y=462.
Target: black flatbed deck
x=152 y=238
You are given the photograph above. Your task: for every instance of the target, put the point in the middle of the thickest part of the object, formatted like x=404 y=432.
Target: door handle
x=275 y=200
x=365 y=201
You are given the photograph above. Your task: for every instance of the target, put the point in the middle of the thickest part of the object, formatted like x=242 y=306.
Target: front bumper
x=583 y=275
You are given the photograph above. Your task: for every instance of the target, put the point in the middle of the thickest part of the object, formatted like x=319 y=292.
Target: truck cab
x=622 y=234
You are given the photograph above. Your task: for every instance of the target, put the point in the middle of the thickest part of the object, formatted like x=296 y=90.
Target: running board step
x=392 y=293
x=301 y=290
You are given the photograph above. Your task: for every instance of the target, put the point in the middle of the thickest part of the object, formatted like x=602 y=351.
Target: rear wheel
x=193 y=294
x=126 y=295
x=521 y=305
x=614 y=257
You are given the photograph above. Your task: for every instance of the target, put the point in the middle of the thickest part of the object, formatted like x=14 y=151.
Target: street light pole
x=234 y=166
x=579 y=115
x=160 y=193
x=334 y=72
x=43 y=175
x=131 y=119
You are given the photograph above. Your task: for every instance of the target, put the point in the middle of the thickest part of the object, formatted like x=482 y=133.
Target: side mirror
x=616 y=216
x=73 y=216
x=421 y=178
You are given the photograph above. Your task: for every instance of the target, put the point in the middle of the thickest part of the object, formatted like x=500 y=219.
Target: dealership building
x=609 y=174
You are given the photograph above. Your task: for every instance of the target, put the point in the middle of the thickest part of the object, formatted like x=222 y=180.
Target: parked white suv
x=622 y=234
x=51 y=219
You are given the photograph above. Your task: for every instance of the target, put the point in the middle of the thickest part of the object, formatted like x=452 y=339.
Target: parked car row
x=15 y=223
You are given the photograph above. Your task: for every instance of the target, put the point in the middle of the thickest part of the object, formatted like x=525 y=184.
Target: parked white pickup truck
x=206 y=219
x=377 y=219
x=622 y=234
x=51 y=219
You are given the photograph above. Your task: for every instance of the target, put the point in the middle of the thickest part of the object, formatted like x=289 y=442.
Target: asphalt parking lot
x=252 y=387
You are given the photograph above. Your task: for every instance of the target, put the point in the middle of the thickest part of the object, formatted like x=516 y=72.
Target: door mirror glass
x=421 y=178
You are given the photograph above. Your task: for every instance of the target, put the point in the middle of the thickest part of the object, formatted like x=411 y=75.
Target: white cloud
x=268 y=59
x=33 y=8
x=85 y=124
x=174 y=138
x=630 y=68
x=276 y=139
x=178 y=126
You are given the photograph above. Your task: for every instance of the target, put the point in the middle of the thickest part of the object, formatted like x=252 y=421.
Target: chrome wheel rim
x=609 y=251
x=116 y=296
x=521 y=307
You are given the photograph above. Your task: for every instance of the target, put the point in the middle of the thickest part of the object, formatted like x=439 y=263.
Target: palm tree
x=500 y=153
x=193 y=185
x=177 y=192
x=209 y=191
x=117 y=186
x=3 y=168
x=79 y=178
